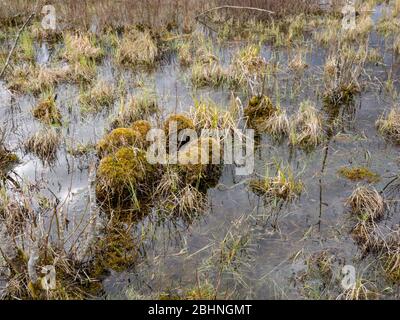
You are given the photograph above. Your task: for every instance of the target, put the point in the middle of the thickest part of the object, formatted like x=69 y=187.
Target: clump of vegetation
x=207 y=69
x=26 y=48
x=176 y=197
x=396 y=45
x=189 y=202
x=341 y=95
x=36 y=79
x=206 y=114
x=283 y=186
x=138 y=107
x=81 y=149
x=142 y=127
x=247 y=64
x=320 y=273
x=137 y=48
x=298 y=63
x=363 y=289
x=46 y=110
x=122 y=176
x=118 y=138
x=367 y=204
x=389 y=126
x=83 y=70
x=277 y=125
x=79 y=46
x=199 y=161
x=363 y=27
x=365 y=235
x=179 y=122
x=7 y=161
x=185 y=55
x=359 y=173
x=208 y=73
x=44 y=144
x=259 y=110
x=392 y=266
x=203 y=291
x=307 y=131
x=97 y=97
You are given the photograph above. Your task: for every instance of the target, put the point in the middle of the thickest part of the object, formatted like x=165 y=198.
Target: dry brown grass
x=307 y=130
x=389 y=126
x=44 y=144
x=366 y=203
x=137 y=48
x=79 y=14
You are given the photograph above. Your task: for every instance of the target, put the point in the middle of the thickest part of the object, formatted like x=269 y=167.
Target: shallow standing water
x=175 y=253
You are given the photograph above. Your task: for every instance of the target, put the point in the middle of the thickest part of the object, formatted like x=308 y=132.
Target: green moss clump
x=142 y=126
x=122 y=176
x=47 y=111
x=358 y=174
x=182 y=123
x=118 y=138
x=259 y=109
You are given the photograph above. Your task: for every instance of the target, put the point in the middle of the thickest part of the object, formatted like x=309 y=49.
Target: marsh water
x=277 y=242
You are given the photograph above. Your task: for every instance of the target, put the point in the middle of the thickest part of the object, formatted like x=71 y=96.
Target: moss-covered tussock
x=178 y=121
x=46 y=110
x=260 y=108
x=118 y=138
x=125 y=177
x=358 y=174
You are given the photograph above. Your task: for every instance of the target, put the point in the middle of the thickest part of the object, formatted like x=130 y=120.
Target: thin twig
x=233 y=7
x=15 y=44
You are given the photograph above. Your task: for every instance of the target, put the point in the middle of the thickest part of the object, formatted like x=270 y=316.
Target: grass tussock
x=363 y=289
x=277 y=125
x=206 y=114
x=247 y=66
x=37 y=79
x=44 y=144
x=207 y=69
x=140 y=106
x=26 y=50
x=298 y=63
x=307 y=130
x=366 y=203
x=209 y=73
x=137 y=48
x=79 y=45
x=389 y=126
x=46 y=110
x=392 y=266
x=259 y=110
x=98 y=97
x=283 y=186
x=7 y=161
